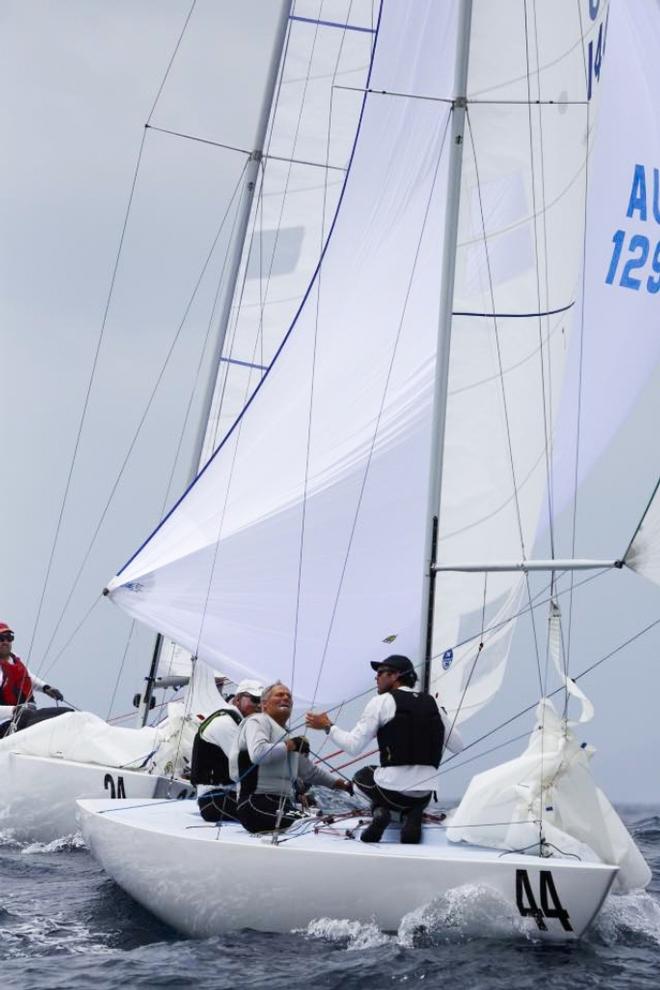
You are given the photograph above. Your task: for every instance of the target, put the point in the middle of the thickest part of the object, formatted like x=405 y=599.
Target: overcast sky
x=78 y=79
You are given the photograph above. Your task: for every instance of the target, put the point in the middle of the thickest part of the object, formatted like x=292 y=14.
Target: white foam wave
x=469 y=911
x=355 y=934
x=66 y=843
x=625 y=914
x=38 y=935
x=463 y=912
x=8 y=838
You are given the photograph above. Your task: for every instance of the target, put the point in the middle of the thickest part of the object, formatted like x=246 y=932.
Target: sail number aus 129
x=635 y=260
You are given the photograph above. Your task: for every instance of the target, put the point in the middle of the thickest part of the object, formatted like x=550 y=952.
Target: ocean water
x=63 y=924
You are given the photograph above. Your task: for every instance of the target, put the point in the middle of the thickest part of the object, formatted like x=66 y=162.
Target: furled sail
x=300 y=547
x=531 y=113
x=514 y=806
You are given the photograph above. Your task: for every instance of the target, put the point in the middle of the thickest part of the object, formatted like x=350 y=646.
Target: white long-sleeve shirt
x=409 y=779
x=265 y=742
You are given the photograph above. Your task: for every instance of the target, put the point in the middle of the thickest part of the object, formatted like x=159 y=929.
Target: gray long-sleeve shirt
x=265 y=743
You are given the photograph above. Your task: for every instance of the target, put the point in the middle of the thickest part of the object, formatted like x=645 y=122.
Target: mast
x=243 y=218
x=458 y=111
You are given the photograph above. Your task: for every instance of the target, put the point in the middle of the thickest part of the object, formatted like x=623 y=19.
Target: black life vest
x=210 y=764
x=416 y=734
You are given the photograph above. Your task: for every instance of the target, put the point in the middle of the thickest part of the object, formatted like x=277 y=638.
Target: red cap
x=5 y=628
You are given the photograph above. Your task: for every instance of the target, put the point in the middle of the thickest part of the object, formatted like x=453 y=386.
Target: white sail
x=620 y=345
x=300 y=547
x=302 y=538
x=519 y=261
x=547 y=793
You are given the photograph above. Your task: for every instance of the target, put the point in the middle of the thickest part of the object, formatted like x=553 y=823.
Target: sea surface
x=63 y=924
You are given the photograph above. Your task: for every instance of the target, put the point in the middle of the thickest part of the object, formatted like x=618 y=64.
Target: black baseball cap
x=396 y=663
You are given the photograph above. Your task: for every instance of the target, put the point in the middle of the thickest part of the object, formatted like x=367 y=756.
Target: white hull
x=203 y=880
x=38 y=794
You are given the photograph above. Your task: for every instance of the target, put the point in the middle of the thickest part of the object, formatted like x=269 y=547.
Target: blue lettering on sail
x=447 y=658
x=637 y=199
x=596 y=46
x=629 y=265
x=134 y=586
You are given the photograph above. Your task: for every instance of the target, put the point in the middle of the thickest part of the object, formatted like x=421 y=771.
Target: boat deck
x=181 y=818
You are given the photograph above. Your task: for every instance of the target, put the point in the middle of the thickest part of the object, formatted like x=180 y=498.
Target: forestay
x=300 y=547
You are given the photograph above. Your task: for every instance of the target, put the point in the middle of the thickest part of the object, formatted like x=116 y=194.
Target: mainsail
x=531 y=117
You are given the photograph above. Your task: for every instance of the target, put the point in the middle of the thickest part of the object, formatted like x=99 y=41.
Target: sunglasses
x=254 y=699
x=7 y=637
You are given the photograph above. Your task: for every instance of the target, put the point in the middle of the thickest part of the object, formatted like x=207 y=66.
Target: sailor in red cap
x=17 y=683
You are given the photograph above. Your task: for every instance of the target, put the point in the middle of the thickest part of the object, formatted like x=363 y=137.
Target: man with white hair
x=267 y=761
x=215 y=739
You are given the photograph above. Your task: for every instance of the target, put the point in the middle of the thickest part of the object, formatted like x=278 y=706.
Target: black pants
x=218 y=806
x=381 y=797
x=261 y=813
x=30 y=716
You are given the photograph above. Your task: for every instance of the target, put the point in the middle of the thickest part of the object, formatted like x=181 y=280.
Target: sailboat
x=47 y=767
x=388 y=477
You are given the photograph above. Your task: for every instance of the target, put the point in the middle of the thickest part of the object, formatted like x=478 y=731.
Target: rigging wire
x=88 y=392
x=200 y=364
x=583 y=673
x=256 y=342
x=578 y=415
x=66 y=645
x=99 y=342
x=233 y=324
x=145 y=413
x=238 y=427
x=445 y=768
x=92 y=376
x=535 y=222
x=502 y=386
x=381 y=409
x=317 y=307
x=121 y=669
x=476 y=659
x=546 y=394
x=171 y=61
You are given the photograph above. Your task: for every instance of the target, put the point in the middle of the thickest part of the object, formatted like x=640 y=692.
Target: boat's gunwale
x=335 y=845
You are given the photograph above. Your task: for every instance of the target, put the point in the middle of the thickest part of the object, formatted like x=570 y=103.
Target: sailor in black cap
x=411 y=731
